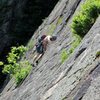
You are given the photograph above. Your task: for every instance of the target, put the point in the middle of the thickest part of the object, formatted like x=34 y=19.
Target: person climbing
x=41 y=46
x=47 y=40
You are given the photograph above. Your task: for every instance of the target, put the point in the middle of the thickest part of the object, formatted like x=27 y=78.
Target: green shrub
x=12 y=59
x=98 y=54
x=21 y=74
x=15 y=54
x=91 y=8
x=84 y=20
x=1 y=63
x=18 y=70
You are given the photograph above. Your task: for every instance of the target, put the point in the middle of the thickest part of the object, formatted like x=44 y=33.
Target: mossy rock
x=98 y=54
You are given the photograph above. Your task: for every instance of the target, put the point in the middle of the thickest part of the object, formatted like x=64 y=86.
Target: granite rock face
x=78 y=78
x=19 y=19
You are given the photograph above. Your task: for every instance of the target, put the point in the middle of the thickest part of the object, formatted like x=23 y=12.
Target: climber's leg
x=36 y=56
x=39 y=57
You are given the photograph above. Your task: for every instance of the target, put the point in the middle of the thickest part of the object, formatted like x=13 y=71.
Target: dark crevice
x=94 y=69
x=80 y=52
x=81 y=98
x=73 y=9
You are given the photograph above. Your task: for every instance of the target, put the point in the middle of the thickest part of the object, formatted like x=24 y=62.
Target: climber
x=41 y=46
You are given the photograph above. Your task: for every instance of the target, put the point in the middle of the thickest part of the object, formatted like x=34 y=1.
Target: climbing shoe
x=37 y=62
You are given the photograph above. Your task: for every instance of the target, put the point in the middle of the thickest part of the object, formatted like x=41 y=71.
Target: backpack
x=39 y=45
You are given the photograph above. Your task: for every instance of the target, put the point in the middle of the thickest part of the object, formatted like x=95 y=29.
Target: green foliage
x=64 y=55
x=84 y=20
x=98 y=54
x=18 y=70
x=1 y=63
x=59 y=21
x=12 y=59
x=76 y=42
x=15 y=54
x=22 y=72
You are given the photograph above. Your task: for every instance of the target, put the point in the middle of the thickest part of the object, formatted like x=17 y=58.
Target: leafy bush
x=18 y=70
x=24 y=70
x=12 y=59
x=1 y=63
x=84 y=20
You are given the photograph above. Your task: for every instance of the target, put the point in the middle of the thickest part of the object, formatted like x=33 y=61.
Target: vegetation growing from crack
x=84 y=20
x=59 y=20
x=65 y=54
x=98 y=54
x=52 y=26
x=17 y=70
x=81 y=24
x=22 y=70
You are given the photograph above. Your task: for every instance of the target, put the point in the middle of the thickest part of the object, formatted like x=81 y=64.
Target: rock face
x=19 y=19
x=78 y=78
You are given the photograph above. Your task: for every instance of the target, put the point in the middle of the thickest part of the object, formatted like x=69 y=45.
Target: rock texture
x=77 y=78
x=19 y=19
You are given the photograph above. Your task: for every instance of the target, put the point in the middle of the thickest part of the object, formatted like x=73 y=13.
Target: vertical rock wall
x=19 y=19
x=75 y=79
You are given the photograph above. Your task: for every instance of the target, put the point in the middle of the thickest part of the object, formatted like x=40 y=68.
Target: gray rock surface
x=19 y=19
x=75 y=79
